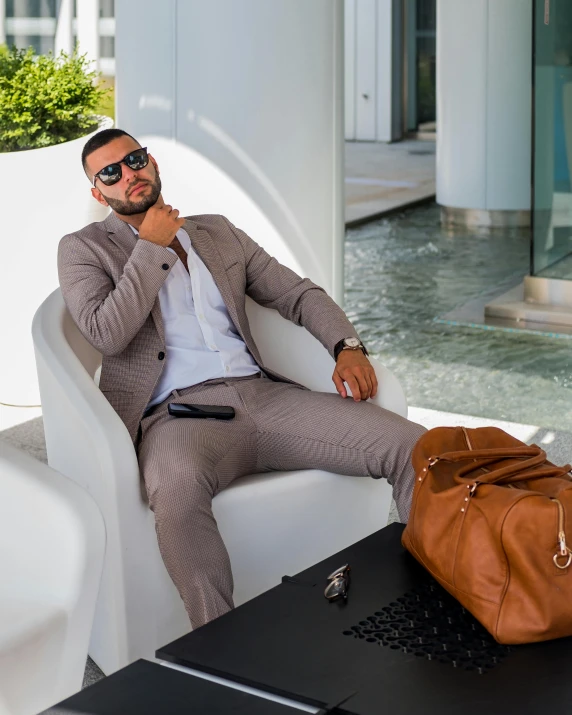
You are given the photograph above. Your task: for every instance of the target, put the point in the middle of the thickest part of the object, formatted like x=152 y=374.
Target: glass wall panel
x=107 y=46
x=42 y=44
x=30 y=8
x=426 y=56
x=552 y=161
x=107 y=8
x=421 y=51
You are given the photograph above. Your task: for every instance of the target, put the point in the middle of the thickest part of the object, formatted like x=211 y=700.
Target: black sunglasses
x=111 y=174
x=339 y=584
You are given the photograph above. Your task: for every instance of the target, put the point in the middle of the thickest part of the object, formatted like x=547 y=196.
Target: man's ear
x=154 y=163
x=98 y=196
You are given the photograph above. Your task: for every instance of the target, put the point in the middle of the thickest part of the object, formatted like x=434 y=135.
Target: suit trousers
x=278 y=426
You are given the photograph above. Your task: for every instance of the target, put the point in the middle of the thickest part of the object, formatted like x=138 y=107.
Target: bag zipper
x=564 y=550
x=467 y=440
x=472 y=488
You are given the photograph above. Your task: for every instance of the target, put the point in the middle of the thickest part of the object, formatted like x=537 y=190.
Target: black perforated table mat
x=400 y=645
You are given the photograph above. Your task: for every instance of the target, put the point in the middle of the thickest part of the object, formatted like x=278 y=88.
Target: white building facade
x=54 y=25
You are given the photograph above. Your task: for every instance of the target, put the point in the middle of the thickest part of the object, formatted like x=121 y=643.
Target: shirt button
x=227 y=368
x=161 y=355
x=165 y=266
x=201 y=316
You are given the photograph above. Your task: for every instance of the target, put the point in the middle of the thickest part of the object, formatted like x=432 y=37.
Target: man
x=163 y=299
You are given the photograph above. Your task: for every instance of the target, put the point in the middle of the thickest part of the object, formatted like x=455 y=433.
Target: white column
x=88 y=30
x=484 y=55
x=373 y=70
x=350 y=42
x=2 y=21
x=64 y=31
x=242 y=105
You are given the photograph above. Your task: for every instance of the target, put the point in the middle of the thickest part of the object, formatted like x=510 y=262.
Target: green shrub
x=45 y=100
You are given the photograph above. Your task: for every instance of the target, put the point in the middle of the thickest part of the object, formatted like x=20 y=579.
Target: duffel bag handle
x=521 y=471
x=499 y=476
x=493 y=454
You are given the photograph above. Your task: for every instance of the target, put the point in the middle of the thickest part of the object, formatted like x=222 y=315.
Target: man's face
x=136 y=191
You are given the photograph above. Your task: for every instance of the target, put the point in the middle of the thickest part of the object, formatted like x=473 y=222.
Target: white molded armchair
x=52 y=541
x=272 y=524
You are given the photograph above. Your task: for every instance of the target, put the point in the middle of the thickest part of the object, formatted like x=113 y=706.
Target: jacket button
x=165 y=266
x=161 y=355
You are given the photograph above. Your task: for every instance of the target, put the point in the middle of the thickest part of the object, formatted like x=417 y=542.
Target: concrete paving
x=382 y=178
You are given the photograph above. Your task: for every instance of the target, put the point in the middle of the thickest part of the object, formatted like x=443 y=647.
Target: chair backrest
x=42 y=543
x=290 y=349
x=295 y=353
x=52 y=543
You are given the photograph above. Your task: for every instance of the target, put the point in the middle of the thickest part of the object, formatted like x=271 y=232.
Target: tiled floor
x=385 y=177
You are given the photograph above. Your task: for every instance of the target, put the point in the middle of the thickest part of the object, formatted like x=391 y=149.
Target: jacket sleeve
x=108 y=315
x=273 y=285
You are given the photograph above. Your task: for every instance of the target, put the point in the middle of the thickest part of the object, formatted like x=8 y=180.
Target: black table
x=145 y=688
x=290 y=641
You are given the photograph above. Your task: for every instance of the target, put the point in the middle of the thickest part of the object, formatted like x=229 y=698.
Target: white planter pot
x=44 y=194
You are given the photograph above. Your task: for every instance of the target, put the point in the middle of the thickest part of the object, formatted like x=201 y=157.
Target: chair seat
x=314 y=512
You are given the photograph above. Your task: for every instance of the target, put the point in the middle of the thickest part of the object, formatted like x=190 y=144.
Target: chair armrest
x=390 y=394
x=293 y=352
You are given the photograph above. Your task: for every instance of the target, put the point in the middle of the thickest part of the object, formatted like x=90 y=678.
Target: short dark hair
x=105 y=136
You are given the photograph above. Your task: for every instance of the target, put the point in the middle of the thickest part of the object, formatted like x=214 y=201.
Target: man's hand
x=160 y=224
x=354 y=368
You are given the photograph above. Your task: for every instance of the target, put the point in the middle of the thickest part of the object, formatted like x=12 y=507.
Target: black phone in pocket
x=215 y=412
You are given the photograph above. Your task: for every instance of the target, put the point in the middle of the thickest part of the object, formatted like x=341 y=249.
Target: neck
x=134 y=220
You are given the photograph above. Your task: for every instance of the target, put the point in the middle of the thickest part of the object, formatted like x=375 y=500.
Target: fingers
x=364 y=389
x=374 y=384
x=354 y=386
x=339 y=383
x=367 y=378
x=361 y=382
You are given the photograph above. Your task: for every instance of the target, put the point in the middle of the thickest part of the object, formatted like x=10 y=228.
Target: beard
x=129 y=208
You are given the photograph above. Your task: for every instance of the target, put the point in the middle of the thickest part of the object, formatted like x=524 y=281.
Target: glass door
x=552 y=155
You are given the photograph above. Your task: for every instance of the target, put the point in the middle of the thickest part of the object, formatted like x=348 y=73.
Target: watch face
x=352 y=342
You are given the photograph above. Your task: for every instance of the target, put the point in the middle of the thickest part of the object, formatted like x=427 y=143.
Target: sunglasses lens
x=111 y=174
x=336 y=589
x=137 y=160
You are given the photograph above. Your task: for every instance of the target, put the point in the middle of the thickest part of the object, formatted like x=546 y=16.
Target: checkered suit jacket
x=110 y=282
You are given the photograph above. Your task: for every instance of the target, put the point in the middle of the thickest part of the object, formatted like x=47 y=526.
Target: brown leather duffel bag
x=491 y=520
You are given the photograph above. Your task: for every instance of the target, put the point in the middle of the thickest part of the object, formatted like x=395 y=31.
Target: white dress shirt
x=201 y=340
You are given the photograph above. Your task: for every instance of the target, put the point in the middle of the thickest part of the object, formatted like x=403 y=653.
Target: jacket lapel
x=122 y=235
x=207 y=250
